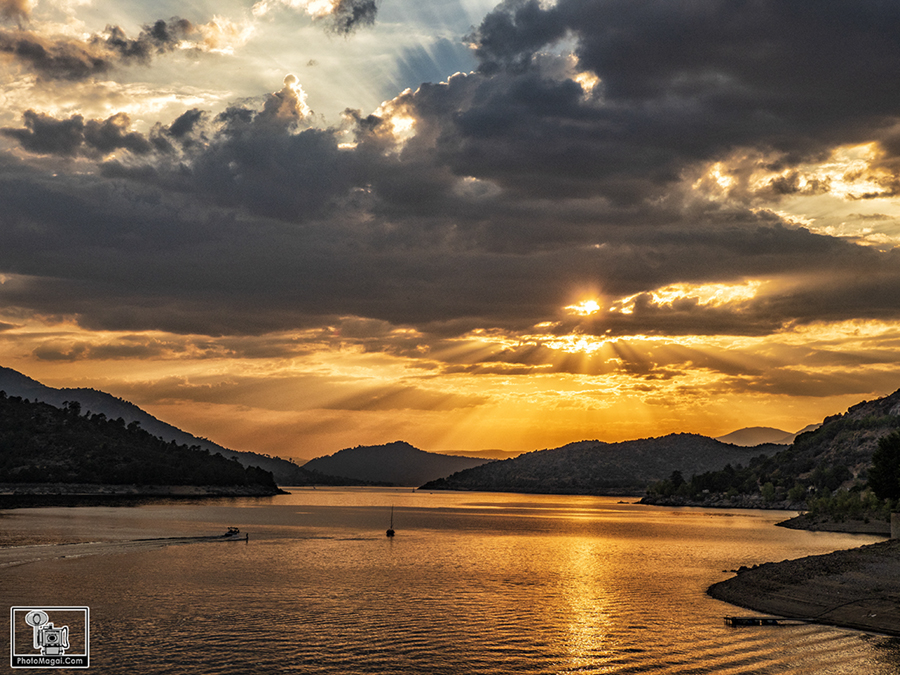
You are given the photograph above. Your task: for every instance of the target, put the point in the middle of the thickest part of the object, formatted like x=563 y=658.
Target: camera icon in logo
x=46 y=636
x=52 y=641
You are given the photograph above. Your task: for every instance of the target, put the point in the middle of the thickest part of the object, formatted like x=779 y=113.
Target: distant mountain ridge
x=594 y=467
x=750 y=436
x=484 y=454
x=397 y=463
x=15 y=383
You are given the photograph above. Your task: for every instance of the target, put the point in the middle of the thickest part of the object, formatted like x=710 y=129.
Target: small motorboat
x=235 y=534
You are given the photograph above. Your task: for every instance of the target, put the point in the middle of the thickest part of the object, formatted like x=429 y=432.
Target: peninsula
x=856 y=588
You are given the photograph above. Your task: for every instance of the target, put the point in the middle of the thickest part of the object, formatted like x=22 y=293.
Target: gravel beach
x=856 y=588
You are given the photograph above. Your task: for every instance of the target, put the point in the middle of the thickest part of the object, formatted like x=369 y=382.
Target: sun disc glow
x=584 y=308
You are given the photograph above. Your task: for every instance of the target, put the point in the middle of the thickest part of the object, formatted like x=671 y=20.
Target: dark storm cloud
x=60 y=59
x=262 y=174
x=131 y=258
x=157 y=38
x=340 y=17
x=260 y=161
x=520 y=190
x=682 y=82
x=186 y=124
x=348 y=15
x=511 y=35
x=47 y=135
x=64 y=58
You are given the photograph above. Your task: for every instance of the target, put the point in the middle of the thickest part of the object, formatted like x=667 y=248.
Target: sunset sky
x=296 y=226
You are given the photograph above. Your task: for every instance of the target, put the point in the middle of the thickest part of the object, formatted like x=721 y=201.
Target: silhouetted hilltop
x=40 y=443
x=750 y=436
x=396 y=463
x=284 y=471
x=593 y=467
x=484 y=454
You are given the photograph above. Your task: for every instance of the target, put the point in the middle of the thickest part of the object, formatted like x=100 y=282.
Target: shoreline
x=855 y=588
x=97 y=489
x=824 y=524
x=36 y=495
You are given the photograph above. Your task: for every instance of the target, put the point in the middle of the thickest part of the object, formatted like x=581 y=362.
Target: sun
x=584 y=308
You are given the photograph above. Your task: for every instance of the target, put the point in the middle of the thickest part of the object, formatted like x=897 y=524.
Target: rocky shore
x=724 y=501
x=803 y=521
x=857 y=588
x=824 y=524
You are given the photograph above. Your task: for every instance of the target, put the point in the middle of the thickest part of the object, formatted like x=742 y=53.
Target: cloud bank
x=519 y=184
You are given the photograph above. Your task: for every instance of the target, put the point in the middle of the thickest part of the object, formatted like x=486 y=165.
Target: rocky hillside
x=593 y=467
x=844 y=441
x=836 y=455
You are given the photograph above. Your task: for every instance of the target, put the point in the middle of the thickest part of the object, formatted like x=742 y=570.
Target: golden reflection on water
x=589 y=604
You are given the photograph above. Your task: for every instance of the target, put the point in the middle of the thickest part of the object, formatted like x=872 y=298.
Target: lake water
x=472 y=583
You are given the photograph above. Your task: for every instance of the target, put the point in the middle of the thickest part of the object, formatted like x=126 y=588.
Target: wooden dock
x=758 y=621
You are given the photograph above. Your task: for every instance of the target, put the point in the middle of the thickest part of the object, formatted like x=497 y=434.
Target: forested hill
x=285 y=471
x=836 y=455
x=396 y=463
x=593 y=467
x=40 y=443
